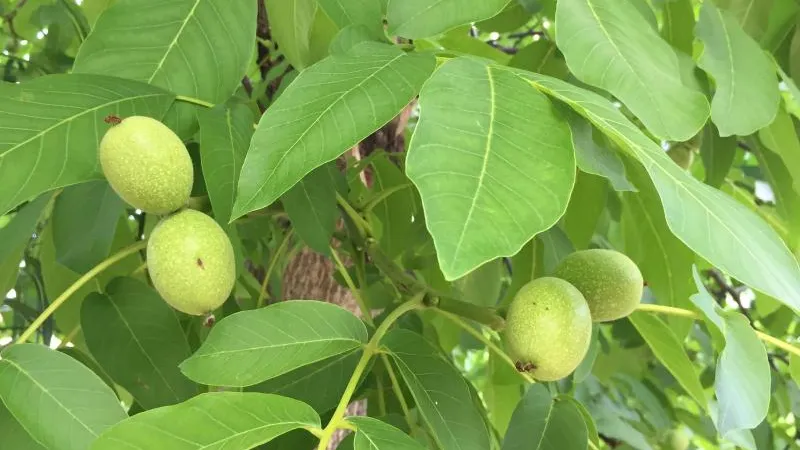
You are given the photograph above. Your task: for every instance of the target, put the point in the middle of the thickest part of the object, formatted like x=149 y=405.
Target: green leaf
x=717 y=153
x=319 y=385
x=345 y=98
x=778 y=174
x=253 y=346
x=195 y=48
x=367 y=13
x=348 y=37
x=595 y=158
x=665 y=262
x=669 y=350
x=753 y=15
x=14 y=435
x=311 y=206
x=747 y=96
x=483 y=285
x=225 y=133
x=52 y=127
x=743 y=362
x=396 y=212
x=717 y=227
x=542 y=423
x=781 y=138
x=614 y=427
x=373 y=434
x=523 y=266
x=609 y=44
x=482 y=163
x=442 y=395
x=84 y=220
x=513 y=16
x=459 y=41
x=61 y=403
x=290 y=26
x=543 y=57
x=217 y=420
x=415 y=19
x=15 y=236
x=794 y=368
x=586 y=205
x=678 y=28
x=132 y=320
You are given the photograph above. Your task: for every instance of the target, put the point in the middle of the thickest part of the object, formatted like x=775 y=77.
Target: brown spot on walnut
x=112 y=119
x=209 y=321
x=524 y=366
x=200 y=264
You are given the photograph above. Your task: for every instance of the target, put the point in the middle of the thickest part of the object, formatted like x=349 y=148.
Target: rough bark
x=309 y=275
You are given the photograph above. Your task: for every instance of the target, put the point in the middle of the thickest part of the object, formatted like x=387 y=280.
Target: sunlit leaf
x=253 y=346
x=487 y=154
x=344 y=98
x=415 y=19
x=373 y=434
x=195 y=48
x=715 y=226
x=217 y=420
x=73 y=405
x=608 y=44
x=131 y=319
x=52 y=126
x=747 y=97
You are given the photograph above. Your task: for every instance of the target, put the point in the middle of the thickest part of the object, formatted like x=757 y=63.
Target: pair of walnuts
x=549 y=322
x=189 y=257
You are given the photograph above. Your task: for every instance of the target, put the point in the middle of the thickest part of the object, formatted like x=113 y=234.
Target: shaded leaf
x=717 y=153
x=367 y=13
x=608 y=44
x=543 y=57
x=229 y=420
x=320 y=385
x=665 y=262
x=311 y=206
x=669 y=350
x=290 y=26
x=397 y=211
x=225 y=133
x=678 y=28
x=52 y=127
x=15 y=236
x=587 y=202
x=781 y=138
x=73 y=405
x=84 y=221
x=594 y=158
x=348 y=37
x=416 y=19
x=14 y=435
x=131 y=319
x=715 y=226
x=747 y=97
x=743 y=362
x=373 y=434
x=442 y=395
x=253 y=346
x=752 y=15
x=540 y=422
x=481 y=165
x=345 y=98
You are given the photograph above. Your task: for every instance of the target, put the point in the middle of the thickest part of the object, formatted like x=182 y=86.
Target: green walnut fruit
x=610 y=282
x=548 y=328
x=677 y=440
x=191 y=262
x=147 y=165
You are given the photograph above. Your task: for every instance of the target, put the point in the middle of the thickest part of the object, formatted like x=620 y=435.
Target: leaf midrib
x=267 y=347
x=174 y=41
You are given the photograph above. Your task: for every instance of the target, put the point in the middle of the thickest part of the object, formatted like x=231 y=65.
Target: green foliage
x=432 y=160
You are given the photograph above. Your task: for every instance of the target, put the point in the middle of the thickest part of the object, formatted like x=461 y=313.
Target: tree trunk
x=309 y=275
